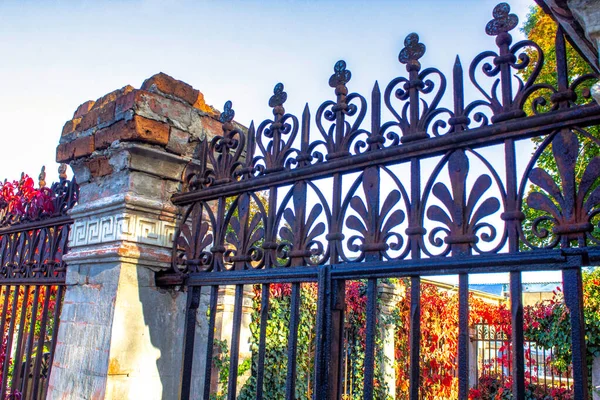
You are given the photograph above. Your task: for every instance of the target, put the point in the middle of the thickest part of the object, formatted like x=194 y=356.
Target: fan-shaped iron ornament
x=342 y=193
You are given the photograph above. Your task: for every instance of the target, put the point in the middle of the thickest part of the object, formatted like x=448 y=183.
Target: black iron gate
x=34 y=230
x=415 y=181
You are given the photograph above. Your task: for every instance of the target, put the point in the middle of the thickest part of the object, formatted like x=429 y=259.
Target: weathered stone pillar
x=473 y=348
x=224 y=328
x=388 y=296
x=596 y=378
x=120 y=336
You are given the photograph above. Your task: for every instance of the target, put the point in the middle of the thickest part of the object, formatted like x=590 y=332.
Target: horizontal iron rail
x=30 y=226
x=540 y=260
x=33 y=281
x=521 y=128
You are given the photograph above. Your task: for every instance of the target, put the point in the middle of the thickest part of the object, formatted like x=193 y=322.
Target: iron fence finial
x=62 y=171
x=42 y=177
x=503 y=21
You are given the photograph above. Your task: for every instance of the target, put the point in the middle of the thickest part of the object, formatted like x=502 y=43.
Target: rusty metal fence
x=493 y=347
x=34 y=230
x=426 y=176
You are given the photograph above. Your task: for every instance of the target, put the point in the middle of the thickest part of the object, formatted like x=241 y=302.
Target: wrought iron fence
x=493 y=346
x=34 y=229
x=441 y=187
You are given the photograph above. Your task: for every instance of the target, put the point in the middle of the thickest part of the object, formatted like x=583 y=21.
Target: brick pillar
x=120 y=336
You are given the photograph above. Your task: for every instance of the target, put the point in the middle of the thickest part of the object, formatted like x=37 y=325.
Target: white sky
x=57 y=54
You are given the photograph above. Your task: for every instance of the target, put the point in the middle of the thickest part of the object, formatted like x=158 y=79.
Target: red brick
x=126 y=102
x=71 y=126
x=89 y=120
x=112 y=96
x=106 y=113
x=138 y=129
x=97 y=116
x=83 y=109
x=80 y=147
x=212 y=126
x=201 y=105
x=171 y=86
x=99 y=167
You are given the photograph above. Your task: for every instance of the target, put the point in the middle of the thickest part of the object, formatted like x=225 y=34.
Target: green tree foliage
x=541 y=29
x=548 y=323
x=278 y=328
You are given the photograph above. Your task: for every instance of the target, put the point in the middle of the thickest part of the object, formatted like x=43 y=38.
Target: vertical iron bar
x=518 y=355
x=503 y=41
x=551 y=357
x=337 y=305
x=545 y=370
x=415 y=336
x=234 y=353
x=573 y=290
x=370 y=340
x=477 y=370
x=336 y=296
x=495 y=353
x=562 y=72
x=528 y=361
x=17 y=361
x=29 y=339
x=378 y=140
x=6 y=293
x=262 y=341
x=346 y=362
x=463 y=336
x=55 y=324
x=460 y=121
x=9 y=341
x=193 y=301
x=415 y=232
x=321 y=366
x=510 y=357
x=210 y=339
x=40 y=344
x=290 y=381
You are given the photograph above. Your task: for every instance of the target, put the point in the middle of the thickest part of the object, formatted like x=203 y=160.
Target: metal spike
x=62 y=171
x=42 y=177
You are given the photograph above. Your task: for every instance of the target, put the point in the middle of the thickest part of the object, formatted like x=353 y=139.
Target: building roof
x=493 y=288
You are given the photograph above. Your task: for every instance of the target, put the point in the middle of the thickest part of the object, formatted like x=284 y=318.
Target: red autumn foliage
x=21 y=198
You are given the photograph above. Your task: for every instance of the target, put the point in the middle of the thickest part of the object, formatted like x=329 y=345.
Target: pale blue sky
x=57 y=54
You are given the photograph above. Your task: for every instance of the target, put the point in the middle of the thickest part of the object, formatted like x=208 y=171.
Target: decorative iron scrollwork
x=569 y=206
x=224 y=152
x=279 y=133
x=300 y=232
x=341 y=133
x=244 y=232
x=352 y=190
x=35 y=228
x=193 y=240
x=374 y=220
x=463 y=217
